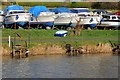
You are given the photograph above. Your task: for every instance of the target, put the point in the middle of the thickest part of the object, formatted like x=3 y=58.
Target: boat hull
x=111 y=23
x=44 y=20
x=20 y=19
x=63 y=21
x=90 y=21
x=1 y=18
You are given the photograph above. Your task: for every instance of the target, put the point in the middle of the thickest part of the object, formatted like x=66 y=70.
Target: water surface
x=83 y=66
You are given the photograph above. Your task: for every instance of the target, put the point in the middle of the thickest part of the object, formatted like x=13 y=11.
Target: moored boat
x=16 y=15
x=64 y=17
x=88 y=19
x=41 y=16
x=111 y=21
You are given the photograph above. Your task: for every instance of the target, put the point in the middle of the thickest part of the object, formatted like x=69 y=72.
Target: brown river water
x=59 y=66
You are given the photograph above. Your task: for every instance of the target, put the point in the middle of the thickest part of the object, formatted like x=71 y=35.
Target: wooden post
x=28 y=34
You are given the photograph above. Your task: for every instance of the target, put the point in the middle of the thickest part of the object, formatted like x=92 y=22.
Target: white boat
x=100 y=12
x=111 y=20
x=17 y=16
x=41 y=16
x=66 y=19
x=44 y=18
x=1 y=16
x=90 y=21
x=81 y=11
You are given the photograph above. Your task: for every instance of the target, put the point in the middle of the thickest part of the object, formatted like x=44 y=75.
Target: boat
x=100 y=12
x=41 y=16
x=81 y=11
x=88 y=19
x=61 y=33
x=64 y=17
x=16 y=15
x=111 y=21
x=1 y=18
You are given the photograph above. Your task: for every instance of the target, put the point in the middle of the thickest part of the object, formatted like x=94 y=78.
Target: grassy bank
x=46 y=37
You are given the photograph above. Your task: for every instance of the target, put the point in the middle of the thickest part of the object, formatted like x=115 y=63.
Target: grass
x=45 y=37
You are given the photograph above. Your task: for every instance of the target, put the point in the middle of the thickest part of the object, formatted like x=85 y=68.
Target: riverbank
x=42 y=42
x=60 y=50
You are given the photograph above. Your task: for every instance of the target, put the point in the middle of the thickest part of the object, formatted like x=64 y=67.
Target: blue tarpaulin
x=61 y=10
x=80 y=10
x=37 y=9
x=14 y=7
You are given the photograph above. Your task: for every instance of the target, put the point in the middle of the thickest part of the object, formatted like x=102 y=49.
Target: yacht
x=41 y=16
x=64 y=17
x=111 y=21
x=88 y=19
x=16 y=15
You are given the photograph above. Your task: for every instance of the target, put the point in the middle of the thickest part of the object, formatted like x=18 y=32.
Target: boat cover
x=14 y=7
x=80 y=10
x=35 y=11
x=61 y=10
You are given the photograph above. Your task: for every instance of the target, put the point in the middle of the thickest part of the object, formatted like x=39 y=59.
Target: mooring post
x=29 y=34
x=9 y=41
x=14 y=44
x=12 y=49
x=14 y=39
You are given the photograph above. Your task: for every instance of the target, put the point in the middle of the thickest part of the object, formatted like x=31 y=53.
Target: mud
x=99 y=48
x=47 y=50
x=59 y=50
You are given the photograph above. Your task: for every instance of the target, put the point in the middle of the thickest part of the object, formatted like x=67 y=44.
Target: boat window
x=98 y=12
x=107 y=17
x=118 y=17
x=113 y=17
x=21 y=12
x=81 y=14
x=10 y=13
x=17 y=12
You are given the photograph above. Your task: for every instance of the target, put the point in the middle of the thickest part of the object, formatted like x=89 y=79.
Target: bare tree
x=78 y=28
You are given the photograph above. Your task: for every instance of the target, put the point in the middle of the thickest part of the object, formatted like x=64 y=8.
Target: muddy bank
x=99 y=48
x=4 y=51
x=47 y=50
x=60 y=50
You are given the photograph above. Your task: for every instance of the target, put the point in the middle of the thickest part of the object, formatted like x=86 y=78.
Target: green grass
x=45 y=37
